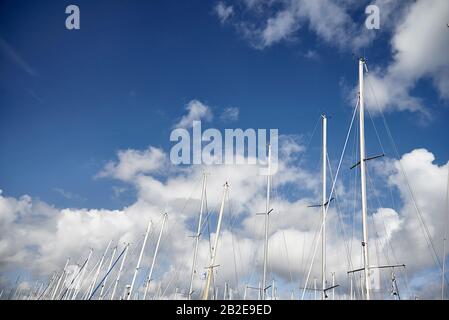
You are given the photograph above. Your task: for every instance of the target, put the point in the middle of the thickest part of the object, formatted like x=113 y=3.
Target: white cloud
x=39 y=237
x=271 y=22
x=196 y=110
x=132 y=162
x=223 y=12
x=69 y=195
x=418 y=31
x=230 y=114
x=419 y=45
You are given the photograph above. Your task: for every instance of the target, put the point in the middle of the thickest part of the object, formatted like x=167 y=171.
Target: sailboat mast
x=198 y=232
x=445 y=237
x=60 y=278
x=81 y=279
x=139 y=261
x=154 y=257
x=106 y=277
x=267 y=220
x=363 y=178
x=97 y=274
x=323 y=208
x=215 y=247
x=119 y=272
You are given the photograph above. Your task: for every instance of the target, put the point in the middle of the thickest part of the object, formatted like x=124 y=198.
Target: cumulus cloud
x=40 y=237
x=196 y=111
x=417 y=32
x=133 y=162
x=419 y=46
x=266 y=23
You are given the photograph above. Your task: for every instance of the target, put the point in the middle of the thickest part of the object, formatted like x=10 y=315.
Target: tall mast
x=333 y=285
x=119 y=272
x=445 y=237
x=154 y=257
x=98 y=271
x=267 y=220
x=363 y=179
x=198 y=233
x=59 y=280
x=323 y=208
x=139 y=261
x=81 y=279
x=215 y=247
x=103 y=284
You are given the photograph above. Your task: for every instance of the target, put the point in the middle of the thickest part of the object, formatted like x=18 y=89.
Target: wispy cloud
x=69 y=195
x=223 y=11
x=230 y=114
x=12 y=54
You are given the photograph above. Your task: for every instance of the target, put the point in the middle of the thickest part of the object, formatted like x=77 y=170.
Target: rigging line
x=331 y=193
x=189 y=198
x=383 y=152
x=47 y=287
x=171 y=227
x=234 y=218
x=316 y=237
x=423 y=224
x=88 y=280
x=389 y=187
x=172 y=278
x=288 y=259
x=112 y=267
x=375 y=130
x=373 y=191
x=302 y=258
x=356 y=176
x=387 y=240
x=410 y=292
x=313 y=132
x=340 y=219
x=73 y=280
x=378 y=241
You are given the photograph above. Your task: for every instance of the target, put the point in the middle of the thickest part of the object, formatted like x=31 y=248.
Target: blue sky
x=71 y=99
x=121 y=80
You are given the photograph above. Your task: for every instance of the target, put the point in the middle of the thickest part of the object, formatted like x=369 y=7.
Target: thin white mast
x=60 y=278
x=106 y=278
x=97 y=273
x=363 y=179
x=81 y=279
x=333 y=285
x=267 y=220
x=225 y=291
x=445 y=237
x=323 y=208
x=154 y=257
x=119 y=272
x=215 y=247
x=351 y=297
x=139 y=261
x=198 y=233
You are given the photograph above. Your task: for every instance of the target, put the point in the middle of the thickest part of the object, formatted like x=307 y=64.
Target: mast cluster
x=69 y=283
